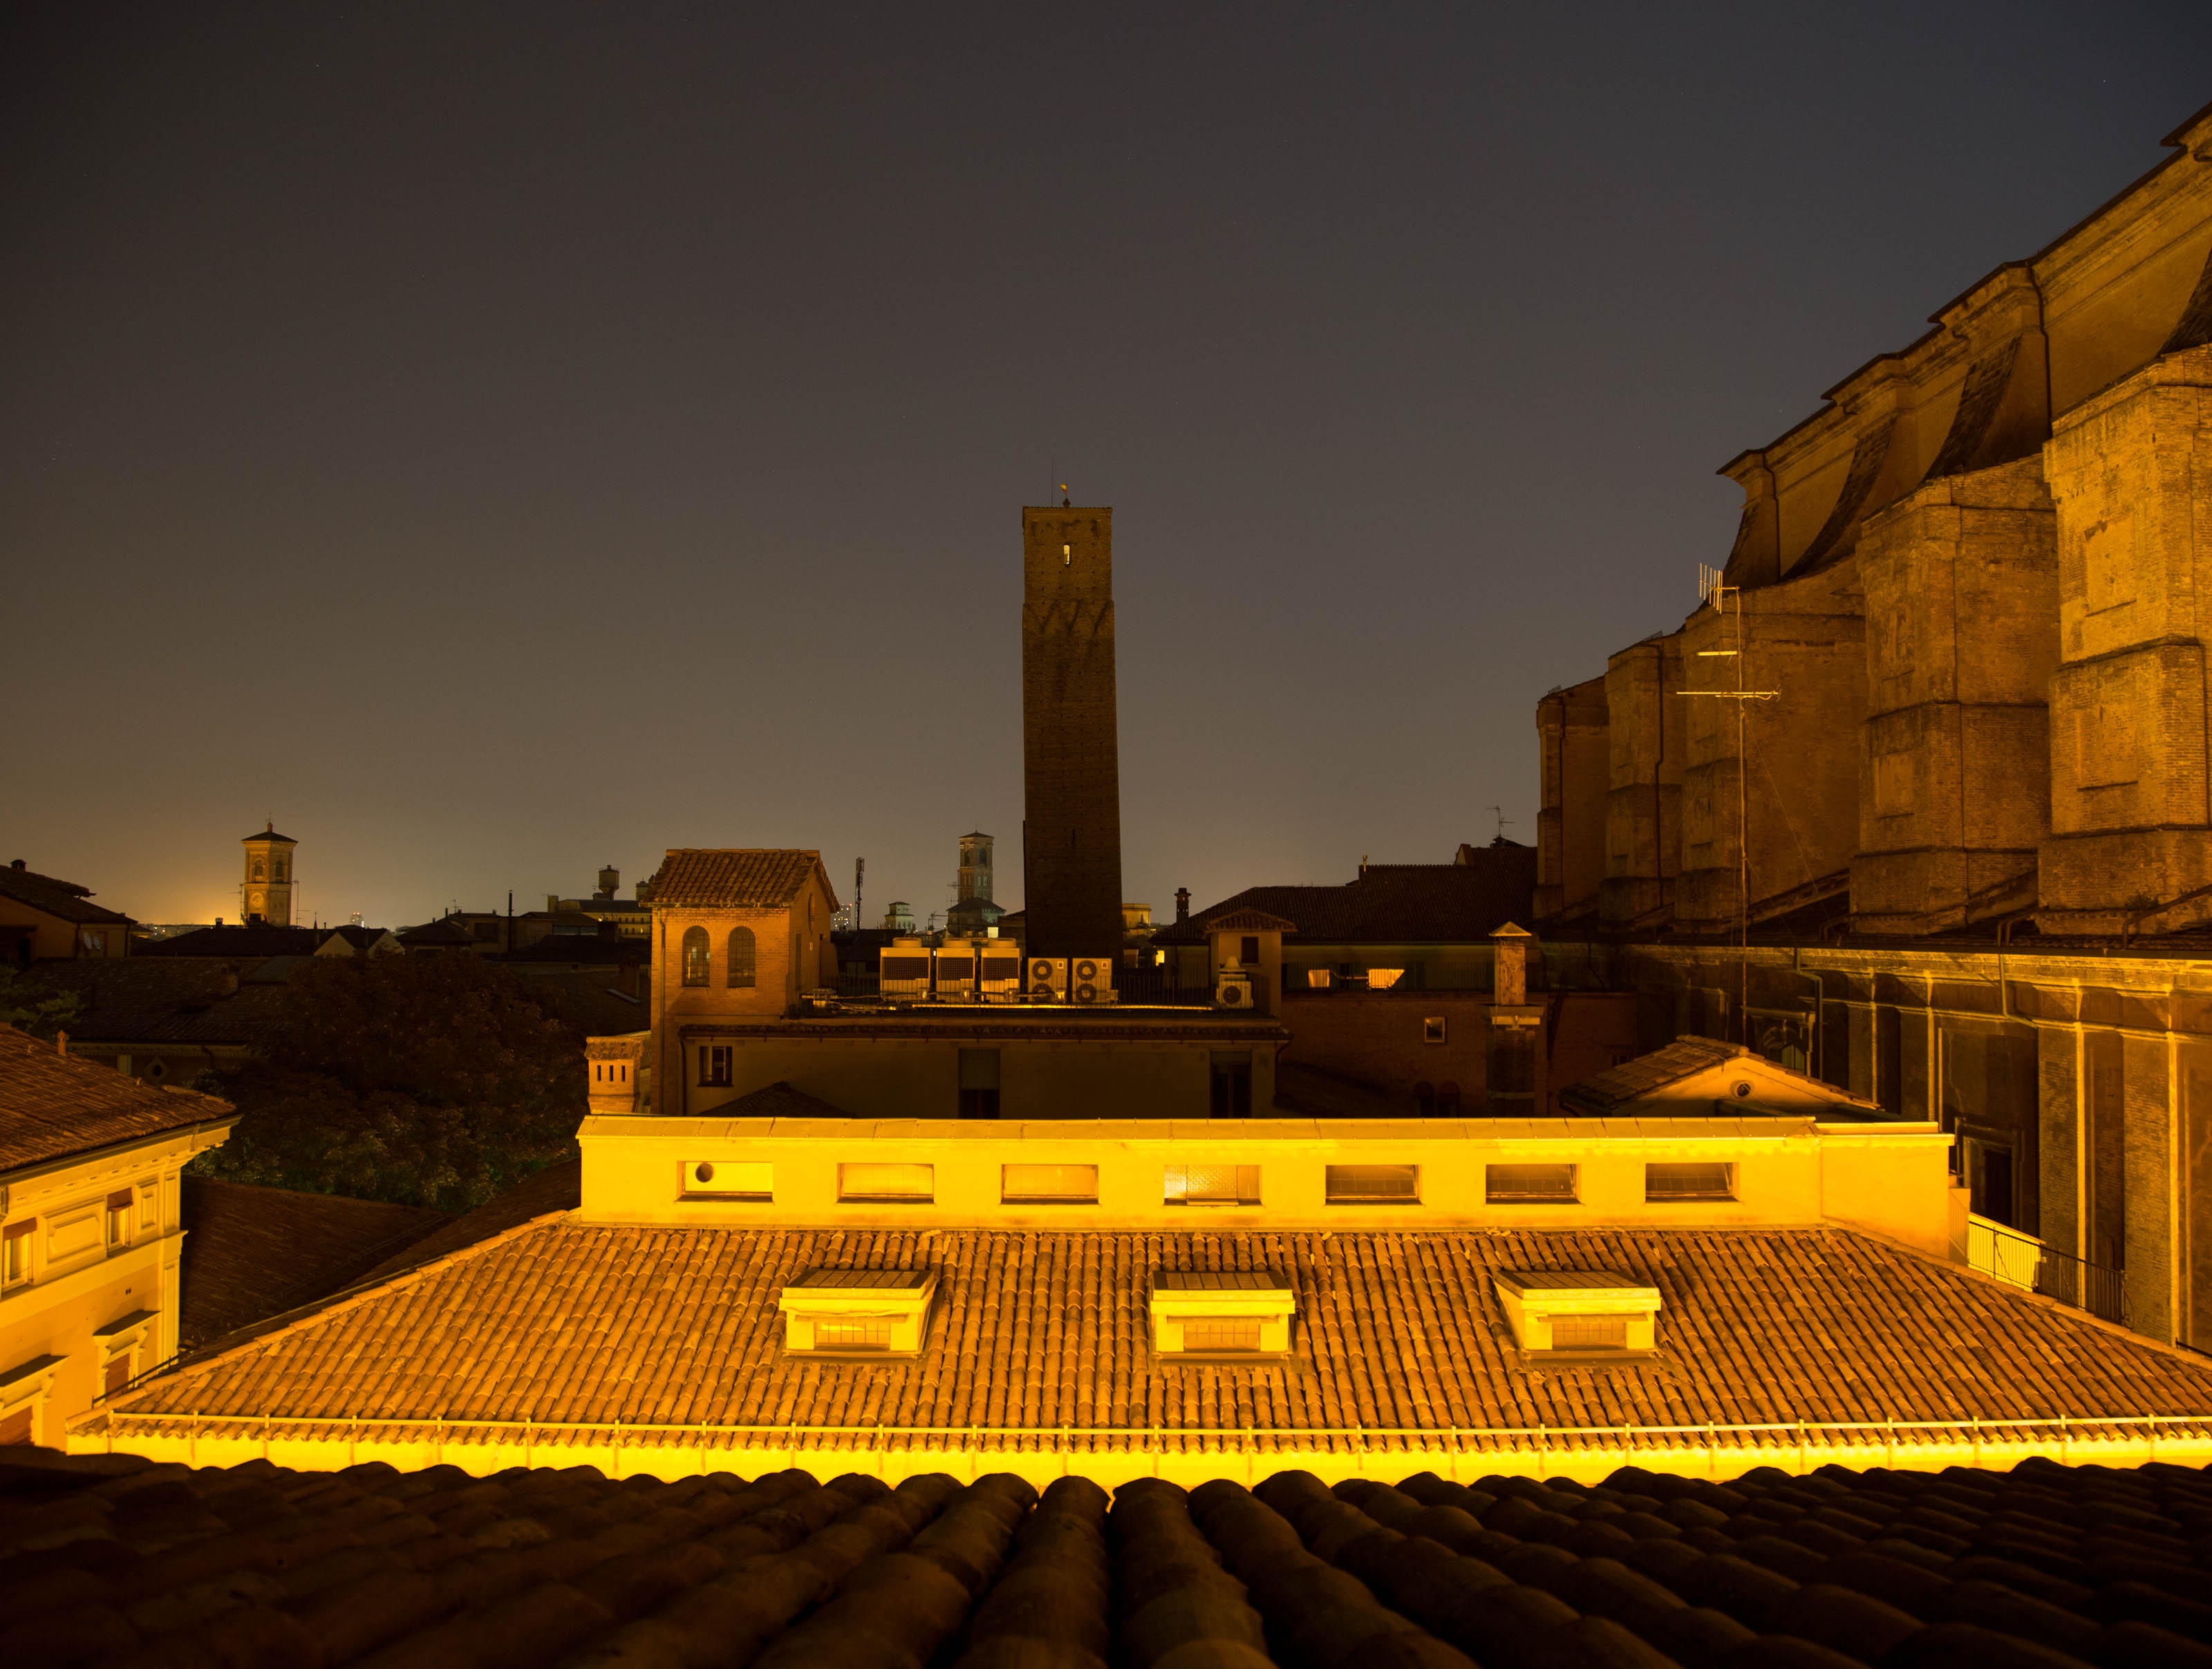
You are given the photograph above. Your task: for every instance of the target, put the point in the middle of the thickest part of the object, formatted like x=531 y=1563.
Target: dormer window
x=858 y=1312
x=1212 y=1185
x=1222 y=1312
x=1590 y=1312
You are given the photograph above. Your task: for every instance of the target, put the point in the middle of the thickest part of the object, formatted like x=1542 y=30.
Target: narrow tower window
x=694 y=955
x=741 y=957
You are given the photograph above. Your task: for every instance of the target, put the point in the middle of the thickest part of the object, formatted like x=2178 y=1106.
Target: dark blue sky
x=498 y=440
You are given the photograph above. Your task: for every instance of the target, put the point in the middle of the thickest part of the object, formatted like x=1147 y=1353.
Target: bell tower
x=264 y=897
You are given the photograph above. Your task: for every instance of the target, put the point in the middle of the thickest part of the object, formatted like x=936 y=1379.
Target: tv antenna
x=1503 y=822
x=1714 y=589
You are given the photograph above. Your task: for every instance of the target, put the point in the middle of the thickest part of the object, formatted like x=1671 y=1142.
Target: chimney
x=17 y=864
x=1509 y=983
x=553 y=904
x=1182 y=904
x=61 y=1043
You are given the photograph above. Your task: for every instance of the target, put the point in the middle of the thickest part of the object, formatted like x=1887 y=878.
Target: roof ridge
x=348 y=1298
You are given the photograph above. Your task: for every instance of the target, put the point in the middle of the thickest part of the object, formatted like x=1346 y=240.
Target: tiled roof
x=250 y=1252
x=558 y=1321
x=1391 y=903
x=557 y=1188
x=443 y=931
x=1249 y=921
x=583 y=998
x=600 y=950
x=268 y=833
x=779 y=1100
x=170 y=999
x=237 y=942
x=117 y=1559
x=716 y=877
x=1632 y=1079
x=62 y=899
x=52 y=1105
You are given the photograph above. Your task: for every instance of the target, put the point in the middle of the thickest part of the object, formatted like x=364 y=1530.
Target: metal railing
x=2022 y=1261
x=1150 y=987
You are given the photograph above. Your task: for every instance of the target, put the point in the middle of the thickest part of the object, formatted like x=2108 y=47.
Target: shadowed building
x=1072 y=781
x=1966 y=826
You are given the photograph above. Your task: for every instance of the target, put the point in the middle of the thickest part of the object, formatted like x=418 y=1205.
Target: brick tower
x=1070 y=760
x=265 y=896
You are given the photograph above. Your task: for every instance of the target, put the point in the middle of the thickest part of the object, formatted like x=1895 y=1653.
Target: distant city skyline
x=497 y=443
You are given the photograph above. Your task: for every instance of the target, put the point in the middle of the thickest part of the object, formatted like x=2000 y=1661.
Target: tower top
x=269 y=835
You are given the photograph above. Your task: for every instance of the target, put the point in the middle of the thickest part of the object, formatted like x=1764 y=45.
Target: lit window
x=728 y=1179
x=694 y=955
x=1221 y=1312
x=1529 y=1185
x=714 y=1065
x=1048 y=1184
x=118 y=1217
x=1212 y=1185
x=907 y=1184
x=1374 y=1185
x=1381 y=979
x=741 y=958
x=1689 y=1182
x=15 y=1251
x=862 y=1311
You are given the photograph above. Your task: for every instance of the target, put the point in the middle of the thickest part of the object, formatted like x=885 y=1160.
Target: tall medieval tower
x=264 y=897
x=1071 y=760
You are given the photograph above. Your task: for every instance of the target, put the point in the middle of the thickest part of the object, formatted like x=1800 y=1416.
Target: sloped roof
x=1247 y=920
x=1684 y=1058
x=2056 y=1566
x=779 y=1100
x=443 y=931
x=558 y=1321
x=268 y=833
x=557 y=1188
x=62 y=899
x=1390 y=904
x=583 y=998
x=175 y=999
x=226 y=941
x=252 y=1251
x=733 y=878
x=52 y=1105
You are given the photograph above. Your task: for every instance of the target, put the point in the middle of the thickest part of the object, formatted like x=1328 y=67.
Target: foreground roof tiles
x=553 y=1321
x=111 y=1559
x=62 y=899
x=732 y=878
x=52 y=1105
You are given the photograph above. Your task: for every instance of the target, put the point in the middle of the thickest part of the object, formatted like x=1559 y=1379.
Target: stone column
x=2058 y=1063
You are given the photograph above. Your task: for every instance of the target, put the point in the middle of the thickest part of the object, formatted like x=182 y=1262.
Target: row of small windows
x=738 y=961
x=899 y=1183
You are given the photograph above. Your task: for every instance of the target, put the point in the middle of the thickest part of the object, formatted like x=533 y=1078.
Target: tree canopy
x=432 y=1081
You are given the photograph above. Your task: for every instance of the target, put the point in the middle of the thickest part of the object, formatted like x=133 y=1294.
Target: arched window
x=741 y=958
x=694 y=955
x=253 y=869
x=1448 y=1100
x=1425 y=1099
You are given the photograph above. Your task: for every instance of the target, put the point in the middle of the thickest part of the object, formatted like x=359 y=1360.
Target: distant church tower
x=264 y=897
x=975 y=867
x=1070 y=757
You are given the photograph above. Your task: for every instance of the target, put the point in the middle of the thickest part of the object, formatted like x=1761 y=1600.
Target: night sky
x=498 y=441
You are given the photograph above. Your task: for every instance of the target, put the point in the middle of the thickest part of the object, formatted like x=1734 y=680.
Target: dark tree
x=421 y=1080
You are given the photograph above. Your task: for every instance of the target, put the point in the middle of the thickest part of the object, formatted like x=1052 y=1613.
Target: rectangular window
x=1590 y=1333
x=727 y=1179
x=1249 y=952
x=1374 y=1185
x=1213 y=1184
x=1232 y=1083
x=116 y=1376
x=910 y=1184
x=1319 y=979
x=1689 y=1182
x=1529 y=1185
x=1381 y=979
x=714 y=1066
x=1433 y=1029
x=15 y=1251
x=119 y=1218
x=1208 y=1333
x=857 y=1333
x=1048 y=1184
x=978 y=1083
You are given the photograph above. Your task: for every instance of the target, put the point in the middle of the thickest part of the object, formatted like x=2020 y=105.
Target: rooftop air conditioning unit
x=1232 y=989
x=1046 y=979
x=904 y=972
x=999 y=973
x=956 y=972
x=1091 y=981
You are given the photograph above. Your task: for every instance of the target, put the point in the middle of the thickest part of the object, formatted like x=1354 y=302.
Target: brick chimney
x=1182 y=904
x=1509 y=983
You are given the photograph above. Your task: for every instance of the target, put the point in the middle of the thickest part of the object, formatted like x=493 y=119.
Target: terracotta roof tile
x=553 y=1321
x=53 y=1104
x=251 y=1252
x=63 y=899
x=740 y=879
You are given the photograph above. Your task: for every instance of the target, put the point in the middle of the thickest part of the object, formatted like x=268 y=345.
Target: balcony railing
x=1149 y=986
x=2022 y=1261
